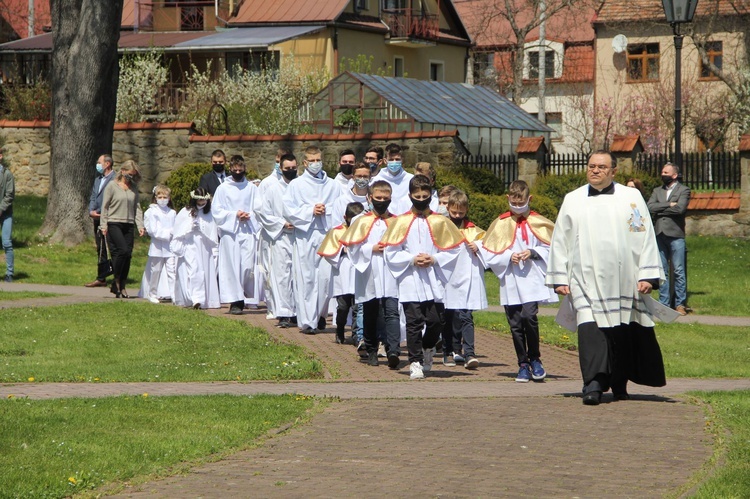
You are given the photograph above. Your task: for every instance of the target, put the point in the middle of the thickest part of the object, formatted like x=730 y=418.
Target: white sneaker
x=153 y=299
x=381 y=351
x=428 y=354
x=415 y=371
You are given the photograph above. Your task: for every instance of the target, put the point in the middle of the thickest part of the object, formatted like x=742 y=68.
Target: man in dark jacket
x=104 y=167
x=211 y=180
x=7 y=193
x=668 y=205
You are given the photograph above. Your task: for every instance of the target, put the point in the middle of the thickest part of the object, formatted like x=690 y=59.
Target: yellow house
x=635 y=76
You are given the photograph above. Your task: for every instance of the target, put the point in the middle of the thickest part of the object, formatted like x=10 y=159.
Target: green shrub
x=484 y=208
x=544 y=206
x=27 y=102
x=470 y=180
x=555 y=187
x=185 y=179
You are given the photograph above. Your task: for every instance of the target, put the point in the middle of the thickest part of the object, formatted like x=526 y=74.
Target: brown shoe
x=96 y=284
x=681 y=310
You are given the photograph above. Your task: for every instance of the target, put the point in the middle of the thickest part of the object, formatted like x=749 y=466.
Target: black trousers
x=101 y=253
x=381 y=313
x=458 y=333
x=524 y=327
x=613 y=356
x=120 y=237
x=343 y=304
x=418 y=315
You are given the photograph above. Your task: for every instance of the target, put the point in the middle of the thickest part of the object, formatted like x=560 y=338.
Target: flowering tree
x=141 y=77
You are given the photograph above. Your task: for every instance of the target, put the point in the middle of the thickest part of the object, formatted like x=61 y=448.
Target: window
x=251 y=61
x=549 y=64
x=714 y=51
x=555 y=121
x=394 y=4
x=398 y=67
x=436 y=71
x=643 y=62
x=360 y=5
x=484 y=68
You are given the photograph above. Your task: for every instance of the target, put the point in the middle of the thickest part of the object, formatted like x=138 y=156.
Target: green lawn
x=57 y=448
x=23 y=295
x=139 y=341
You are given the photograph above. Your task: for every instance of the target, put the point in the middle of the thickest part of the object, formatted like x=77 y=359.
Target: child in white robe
x=421 y=248
x=336 y=254
x=158 y=276
x=195 y=244
x=465 y=290
x=516 y=248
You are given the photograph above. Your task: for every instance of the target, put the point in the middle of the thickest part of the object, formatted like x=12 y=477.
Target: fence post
x=743 y=216
x=625 y=148
x=531 y=152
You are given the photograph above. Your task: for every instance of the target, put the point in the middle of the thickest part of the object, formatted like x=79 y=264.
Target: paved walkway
x=459 y=433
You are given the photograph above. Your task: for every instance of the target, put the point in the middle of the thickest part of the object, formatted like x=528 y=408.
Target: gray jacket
x=97 y=194
x=7 y=191
x=669 y=220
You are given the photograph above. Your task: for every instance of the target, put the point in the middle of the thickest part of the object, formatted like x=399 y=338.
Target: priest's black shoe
x=372 y=359
x=592 y=398
x=322 y=323
x=621 y=395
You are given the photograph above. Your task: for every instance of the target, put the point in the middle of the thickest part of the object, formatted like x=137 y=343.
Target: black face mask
x=380 y=206
x=238 y=176
x=346 y=169
x=420 y=205
x=219 y=168
x=289 y=174
x=457 y=221
x=666 y=179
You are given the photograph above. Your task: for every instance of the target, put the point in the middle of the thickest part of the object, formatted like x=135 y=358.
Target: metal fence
x=504 y=166
x=700 y=170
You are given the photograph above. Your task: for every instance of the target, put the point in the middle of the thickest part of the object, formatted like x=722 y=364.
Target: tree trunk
x=85 y=74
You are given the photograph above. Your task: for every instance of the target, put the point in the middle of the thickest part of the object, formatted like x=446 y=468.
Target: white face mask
x=442 y=210
x=201 y=205
x=315 y=167
x=162 y=202
x=518 y=210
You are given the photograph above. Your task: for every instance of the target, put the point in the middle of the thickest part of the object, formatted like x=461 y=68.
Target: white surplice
x=158 y=275
x=465 y=289
x=420 y=284
x=263 y=265
x=372 y=279
x=195 y=246
x=312 y=274
x=523 y=282
x=339 y=206
x=279 y=283
x=400 y=202
x=601 y=247
x=237 y=239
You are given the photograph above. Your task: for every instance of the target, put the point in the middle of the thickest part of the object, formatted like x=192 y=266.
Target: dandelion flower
x=72 y=480
x=31 y=378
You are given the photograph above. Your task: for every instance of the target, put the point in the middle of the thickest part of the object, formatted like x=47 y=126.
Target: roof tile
x=745 y=143
x=712 y=201
x=530 y=145
x=652 y=10
x=288 y=11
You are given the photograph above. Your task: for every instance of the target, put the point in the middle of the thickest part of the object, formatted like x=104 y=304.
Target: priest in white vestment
x=233 y=208
x=604 y=257
x=308 y=206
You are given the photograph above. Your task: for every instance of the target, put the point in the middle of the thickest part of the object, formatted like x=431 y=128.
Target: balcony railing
x=412 y=24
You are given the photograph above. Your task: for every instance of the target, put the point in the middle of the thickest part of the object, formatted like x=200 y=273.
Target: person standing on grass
x=233 y=208
x=121 y=216
x=421 y=248
x=516 y=248
x=668 y=205
x=7 y=193
x=106 y=173
x=604 y=257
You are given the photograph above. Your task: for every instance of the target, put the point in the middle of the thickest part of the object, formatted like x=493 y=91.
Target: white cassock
x=279 y=283
x=339 y=207
x=420 y=284
x=601 y=247
x=237 y=239
x=400 y=202
x=195 y=245
x=312 y=274
x=372 y=279
x=345 y=183
x=264 y=254
x=158 y=276
x=523 y=282
x=465 y=289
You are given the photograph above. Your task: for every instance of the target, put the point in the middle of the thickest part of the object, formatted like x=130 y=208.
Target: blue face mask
x=100 y=169
x=394 y=167
x=277 y=167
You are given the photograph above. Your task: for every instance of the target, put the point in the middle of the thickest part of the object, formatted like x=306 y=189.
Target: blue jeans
x=7 y=226
x=673 y=249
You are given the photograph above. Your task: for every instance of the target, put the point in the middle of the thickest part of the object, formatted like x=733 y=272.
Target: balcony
x=412 y=28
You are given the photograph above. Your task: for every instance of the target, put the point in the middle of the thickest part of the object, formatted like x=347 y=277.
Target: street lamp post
x=678 y=12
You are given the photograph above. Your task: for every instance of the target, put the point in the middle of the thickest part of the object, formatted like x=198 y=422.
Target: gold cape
x=471 y=232
x=445 y=235
x=361 y=228
x=502 y=232
x=331 y=245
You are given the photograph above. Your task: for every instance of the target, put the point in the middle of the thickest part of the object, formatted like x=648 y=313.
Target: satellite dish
x=619 y=44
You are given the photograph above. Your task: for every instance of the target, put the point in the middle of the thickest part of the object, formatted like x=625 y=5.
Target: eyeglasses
x=599 y=167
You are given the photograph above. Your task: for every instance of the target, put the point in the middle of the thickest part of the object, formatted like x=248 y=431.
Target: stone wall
x=160 y=148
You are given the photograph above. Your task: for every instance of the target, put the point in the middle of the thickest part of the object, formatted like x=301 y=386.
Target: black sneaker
x=322 y=323
x=372 y=359
x=340 y=339
x=393 y=361
x=308 y=330
x=236 y=307
x=8 y=278
x=362 y=351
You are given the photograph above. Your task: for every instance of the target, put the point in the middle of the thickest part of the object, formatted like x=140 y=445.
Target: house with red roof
x=635 y=72
x=423 y=39
x=568 y=48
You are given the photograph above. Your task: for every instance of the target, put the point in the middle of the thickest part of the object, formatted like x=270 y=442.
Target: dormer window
x=549 y=64
x=553 y=60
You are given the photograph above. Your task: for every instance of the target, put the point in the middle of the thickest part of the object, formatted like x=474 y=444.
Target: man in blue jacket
x=7 y=193
x=104 y=167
